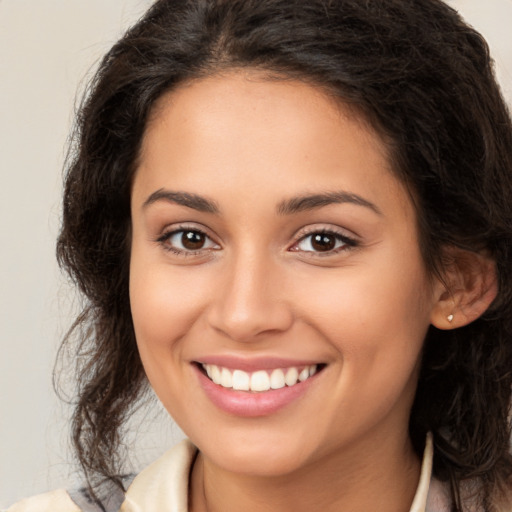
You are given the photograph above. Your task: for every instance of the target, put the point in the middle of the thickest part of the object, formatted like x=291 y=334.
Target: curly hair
x=424 y=81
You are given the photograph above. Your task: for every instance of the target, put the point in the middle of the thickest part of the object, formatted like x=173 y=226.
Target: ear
x=466 y=290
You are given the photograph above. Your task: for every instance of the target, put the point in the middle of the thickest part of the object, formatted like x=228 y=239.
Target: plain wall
x=47 y=47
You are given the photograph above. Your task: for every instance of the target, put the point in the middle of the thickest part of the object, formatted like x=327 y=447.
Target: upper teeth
x=261 y=380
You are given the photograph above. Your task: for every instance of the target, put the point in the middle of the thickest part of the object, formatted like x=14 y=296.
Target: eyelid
x=169 y=231
x=349 y=241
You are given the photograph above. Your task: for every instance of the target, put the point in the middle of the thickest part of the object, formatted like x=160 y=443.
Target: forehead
x=233 y=99
x=242 y=131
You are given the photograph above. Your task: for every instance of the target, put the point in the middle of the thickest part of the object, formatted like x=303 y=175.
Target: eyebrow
x=194 y=201
x=286 y=207
x=313 y=201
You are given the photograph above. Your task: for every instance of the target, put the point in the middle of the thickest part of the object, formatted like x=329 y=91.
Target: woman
x=293 y=220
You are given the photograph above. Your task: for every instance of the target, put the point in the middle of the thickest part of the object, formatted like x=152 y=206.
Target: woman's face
x=274 y=249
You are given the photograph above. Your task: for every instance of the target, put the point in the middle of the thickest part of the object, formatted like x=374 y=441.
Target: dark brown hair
x=424 y=80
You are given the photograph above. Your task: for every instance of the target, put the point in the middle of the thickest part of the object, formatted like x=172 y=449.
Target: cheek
x=385 y=302
x=165 y=304
x=161 y=310
x=376 y=320
x=164 y=308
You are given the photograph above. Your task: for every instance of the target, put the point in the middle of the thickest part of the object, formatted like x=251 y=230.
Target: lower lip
x=250 y=405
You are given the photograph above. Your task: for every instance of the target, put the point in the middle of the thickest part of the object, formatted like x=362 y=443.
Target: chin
x=259 y=460
x=259 y=451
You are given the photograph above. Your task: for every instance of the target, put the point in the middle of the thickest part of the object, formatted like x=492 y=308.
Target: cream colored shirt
x=163 y=487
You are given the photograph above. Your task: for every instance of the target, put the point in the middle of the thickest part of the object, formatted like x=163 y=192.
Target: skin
x=257 y=288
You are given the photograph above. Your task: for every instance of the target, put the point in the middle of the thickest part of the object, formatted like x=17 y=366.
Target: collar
x=419 y=503
x=163 y=486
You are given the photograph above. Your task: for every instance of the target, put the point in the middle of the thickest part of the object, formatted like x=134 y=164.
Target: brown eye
x=192 y=240
x=183 y=241
x=323 y=242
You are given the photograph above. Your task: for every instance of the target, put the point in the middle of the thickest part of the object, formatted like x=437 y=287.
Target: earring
x=449 y=318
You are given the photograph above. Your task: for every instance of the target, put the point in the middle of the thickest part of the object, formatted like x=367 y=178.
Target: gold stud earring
x=450 y=318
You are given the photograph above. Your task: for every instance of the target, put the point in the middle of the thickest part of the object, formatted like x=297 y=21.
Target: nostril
x=247 y=323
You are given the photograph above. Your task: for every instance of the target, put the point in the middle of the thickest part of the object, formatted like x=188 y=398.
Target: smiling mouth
x=261 y=380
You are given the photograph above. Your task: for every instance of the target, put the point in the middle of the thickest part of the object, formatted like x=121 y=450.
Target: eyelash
x=347 y=242
x=163 y=240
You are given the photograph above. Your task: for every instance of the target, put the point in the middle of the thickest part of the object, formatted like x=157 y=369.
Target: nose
x=251 y=300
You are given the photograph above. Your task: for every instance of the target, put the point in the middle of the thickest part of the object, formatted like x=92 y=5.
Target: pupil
x=192 y=240
x=323 y=242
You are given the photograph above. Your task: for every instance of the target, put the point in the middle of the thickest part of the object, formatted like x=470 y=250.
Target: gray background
x=47 y=49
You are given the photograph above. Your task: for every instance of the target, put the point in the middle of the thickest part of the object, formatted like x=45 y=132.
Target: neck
x=384 y=476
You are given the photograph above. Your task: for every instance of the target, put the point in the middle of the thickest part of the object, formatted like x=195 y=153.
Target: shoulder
x=165 y=481
x=109 y=499
x=56 y=501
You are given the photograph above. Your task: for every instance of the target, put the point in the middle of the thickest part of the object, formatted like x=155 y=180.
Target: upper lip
x=255 y=363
